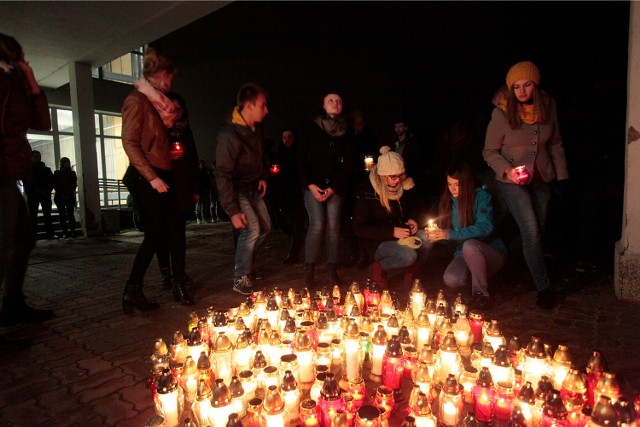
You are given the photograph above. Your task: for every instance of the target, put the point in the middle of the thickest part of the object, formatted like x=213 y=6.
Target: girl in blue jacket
x=465 y=216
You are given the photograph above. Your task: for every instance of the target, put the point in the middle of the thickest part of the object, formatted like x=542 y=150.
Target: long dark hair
x=539 y=100
x=466 y=196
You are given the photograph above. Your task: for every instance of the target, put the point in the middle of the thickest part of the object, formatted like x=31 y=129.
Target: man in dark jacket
x=241 y=178
x=38 y=191
x=25 y=107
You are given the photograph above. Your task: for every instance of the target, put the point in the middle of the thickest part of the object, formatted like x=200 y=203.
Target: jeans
x=321 y=215
x=478 y=259
x=253 y=235
x=528 y=205
x=16 y=240
x=392 y=255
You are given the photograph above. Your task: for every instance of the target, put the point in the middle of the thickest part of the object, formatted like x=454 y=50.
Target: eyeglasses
x=401 y=176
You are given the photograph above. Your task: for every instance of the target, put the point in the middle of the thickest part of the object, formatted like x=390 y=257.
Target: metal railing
x=113 y=193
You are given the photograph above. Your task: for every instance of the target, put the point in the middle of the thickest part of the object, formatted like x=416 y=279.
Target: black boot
x=133 y=297
x=310 y=270
x=166 y=277
x=334 y=279
x=15 y=311
x=179 y=292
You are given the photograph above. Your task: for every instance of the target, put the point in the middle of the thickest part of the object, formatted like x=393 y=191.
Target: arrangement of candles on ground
x=328 y=359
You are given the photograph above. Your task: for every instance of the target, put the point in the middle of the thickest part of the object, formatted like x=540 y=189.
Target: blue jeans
x=16 y=239
x=392 y=255
x=321 y=215
x=529 y=204
x=252 y=236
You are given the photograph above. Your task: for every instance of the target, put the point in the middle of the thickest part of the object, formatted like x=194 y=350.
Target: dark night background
x=436 y=64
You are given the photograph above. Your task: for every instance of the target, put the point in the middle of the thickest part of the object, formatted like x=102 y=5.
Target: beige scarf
x=384 y=191
x=163 y=105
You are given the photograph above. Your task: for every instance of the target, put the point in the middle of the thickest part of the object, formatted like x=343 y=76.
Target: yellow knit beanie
x=523 y=70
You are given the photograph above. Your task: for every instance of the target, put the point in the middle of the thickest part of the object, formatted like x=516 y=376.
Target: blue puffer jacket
x=482 y=229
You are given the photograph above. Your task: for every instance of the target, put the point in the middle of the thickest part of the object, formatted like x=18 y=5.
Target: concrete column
x=84 y=129
x=627 y=251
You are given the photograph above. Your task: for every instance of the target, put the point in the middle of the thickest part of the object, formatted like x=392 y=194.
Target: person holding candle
x=523 y=131
x=325 y=160
x=383 y=217
x=187 y=184
x=147 y=116
x=465 y=217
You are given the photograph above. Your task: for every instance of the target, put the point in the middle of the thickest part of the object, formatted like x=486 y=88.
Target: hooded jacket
x=240 y=162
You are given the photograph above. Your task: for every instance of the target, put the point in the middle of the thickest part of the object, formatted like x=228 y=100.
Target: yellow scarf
x=527 y=112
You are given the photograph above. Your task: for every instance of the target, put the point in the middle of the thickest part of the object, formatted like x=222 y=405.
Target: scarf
x=384 y=191
x=5 y=67
x=163 y=105
x=333 y=126
x=527 y=112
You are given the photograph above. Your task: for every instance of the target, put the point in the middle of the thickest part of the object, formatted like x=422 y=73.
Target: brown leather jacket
x=144 y=136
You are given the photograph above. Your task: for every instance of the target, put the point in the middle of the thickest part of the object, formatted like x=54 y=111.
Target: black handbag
x=130 y=177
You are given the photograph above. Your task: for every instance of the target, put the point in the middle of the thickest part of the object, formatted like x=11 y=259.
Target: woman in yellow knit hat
x=524 y=147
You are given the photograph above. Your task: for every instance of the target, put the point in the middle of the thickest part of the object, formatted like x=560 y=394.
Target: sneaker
x=243 y=285
x=546 y=299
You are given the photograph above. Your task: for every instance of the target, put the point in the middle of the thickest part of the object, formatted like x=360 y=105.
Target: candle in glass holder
x=596 y=365
x=521 y=173
x=169 y=400
x=484 y=397
x=392 y=369
x=368 y=163
x=476 y=321
x=560 y=365
x=309 y=413
x=274 y=408
x=290 y=395
x=357 y=390
x=352 y=356
x=306 y=357
x=554 y=413
x=331 y=399
x=368 y=416
x=201 y=407
x=450 y=403
x=254 y=413
x=504 y=401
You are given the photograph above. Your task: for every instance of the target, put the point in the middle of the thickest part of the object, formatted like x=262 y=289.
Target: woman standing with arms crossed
x=524 y=132
x=324 y=164
x=147 y=115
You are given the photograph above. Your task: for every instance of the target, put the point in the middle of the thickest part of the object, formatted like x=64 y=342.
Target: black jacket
x=240 y=163
x=325 y=160
x=371 y=221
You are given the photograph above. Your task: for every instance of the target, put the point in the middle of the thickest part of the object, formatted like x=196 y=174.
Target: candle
x=368 y=162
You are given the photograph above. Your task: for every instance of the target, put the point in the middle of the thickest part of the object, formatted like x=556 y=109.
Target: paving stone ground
x=90 y=365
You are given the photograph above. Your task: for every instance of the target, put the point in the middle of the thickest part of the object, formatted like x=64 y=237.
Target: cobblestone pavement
x=90 y=365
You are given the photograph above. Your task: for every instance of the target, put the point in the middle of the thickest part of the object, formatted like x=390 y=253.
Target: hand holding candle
x=368 y=162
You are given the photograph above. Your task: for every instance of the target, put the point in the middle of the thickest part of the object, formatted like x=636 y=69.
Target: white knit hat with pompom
x=389 y=162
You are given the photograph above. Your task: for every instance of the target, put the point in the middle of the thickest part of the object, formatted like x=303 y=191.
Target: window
x=125 y=69
x=112 y=161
